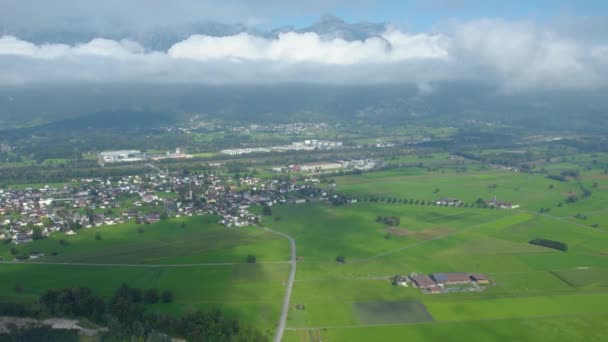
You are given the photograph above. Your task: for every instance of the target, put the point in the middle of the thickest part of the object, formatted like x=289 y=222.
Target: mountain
x=162 y=38
x=330 y=27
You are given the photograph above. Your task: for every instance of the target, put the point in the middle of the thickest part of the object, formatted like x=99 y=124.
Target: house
x=152 y=217
x=502 y=205
x=448 y=202
x=480 y=279
x=400 y=280
x=455 y=278
x=148 y=197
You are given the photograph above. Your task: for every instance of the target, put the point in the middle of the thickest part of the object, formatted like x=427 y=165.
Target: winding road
x=292 y=275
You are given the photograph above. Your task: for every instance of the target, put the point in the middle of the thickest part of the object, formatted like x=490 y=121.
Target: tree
x=266 y=211
x=341 y=258
x=151 y=296
x=166 y=296
x=251 y=259
x=164 y=215
x=183 y=224
x=98 y=236
x=136 y=294
x=37 y=233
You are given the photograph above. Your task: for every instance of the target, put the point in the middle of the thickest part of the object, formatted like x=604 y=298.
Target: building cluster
x=501 y=204
x=5 y=148
x=284 y=129
x=97 y=202
x=320 y=167
x=306 y=145
x=121 y=156
x=124 y=156
x=448 y=202
x=444 y=282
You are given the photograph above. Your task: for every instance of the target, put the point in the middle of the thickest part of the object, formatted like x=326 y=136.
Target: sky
x=514 y=45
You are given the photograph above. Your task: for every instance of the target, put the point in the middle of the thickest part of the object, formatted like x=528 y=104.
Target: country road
x=292 y=275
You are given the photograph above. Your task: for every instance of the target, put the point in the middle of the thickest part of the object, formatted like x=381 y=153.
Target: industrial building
x=121 y=156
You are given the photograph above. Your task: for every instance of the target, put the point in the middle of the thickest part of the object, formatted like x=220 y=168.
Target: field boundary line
x=446 y=321
x=211 y=264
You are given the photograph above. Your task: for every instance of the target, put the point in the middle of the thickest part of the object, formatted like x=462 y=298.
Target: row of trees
x=561 y=246
x=479 y=203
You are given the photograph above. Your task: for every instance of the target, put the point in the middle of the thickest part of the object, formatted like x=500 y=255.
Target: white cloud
x=526 y=55
x=293 y=47
x=513 y=55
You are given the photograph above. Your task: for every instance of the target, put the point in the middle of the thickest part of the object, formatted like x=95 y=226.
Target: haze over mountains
x=162 y=38
x=498 y=70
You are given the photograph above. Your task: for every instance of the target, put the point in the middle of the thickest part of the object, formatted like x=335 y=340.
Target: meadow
x=202 y=263
x=537 y=293
x=187 y=240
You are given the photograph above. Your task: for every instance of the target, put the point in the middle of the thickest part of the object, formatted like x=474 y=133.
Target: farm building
x=502 y=205
x=448 y=202
x=425 y=282
x=400 y=280
x=451 y=278
x=480 y=279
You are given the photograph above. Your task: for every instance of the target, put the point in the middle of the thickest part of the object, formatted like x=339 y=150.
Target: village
x=27 y=214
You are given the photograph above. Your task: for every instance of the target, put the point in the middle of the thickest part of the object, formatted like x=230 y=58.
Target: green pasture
x=529 y=283
x=201 y=240
x=561 y=328
x=530 y=191
x=251 y=293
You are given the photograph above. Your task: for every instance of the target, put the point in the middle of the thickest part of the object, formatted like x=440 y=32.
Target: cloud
x=291 y=47
x=515 y=56
x=522 y=54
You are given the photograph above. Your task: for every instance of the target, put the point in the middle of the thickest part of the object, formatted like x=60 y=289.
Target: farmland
x=201 y=263
x=537 y=293
x=187 y=240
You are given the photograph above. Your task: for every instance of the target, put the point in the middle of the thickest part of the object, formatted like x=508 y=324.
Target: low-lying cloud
x=512 y=55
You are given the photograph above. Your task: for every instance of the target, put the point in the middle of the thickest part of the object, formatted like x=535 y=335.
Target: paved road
x=292 y=275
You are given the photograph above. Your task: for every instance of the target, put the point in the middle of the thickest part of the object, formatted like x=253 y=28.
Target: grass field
x=251 y=293
x=202 y=240
x=537 y=293
x=164 y=255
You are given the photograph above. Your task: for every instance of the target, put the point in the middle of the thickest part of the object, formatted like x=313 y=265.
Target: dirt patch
x=425 y=234
x=6 y=322
x=408 y=311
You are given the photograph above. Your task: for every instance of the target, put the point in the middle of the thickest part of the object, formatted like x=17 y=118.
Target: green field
x=167 y=256
x=537 y=293
x=201 y=240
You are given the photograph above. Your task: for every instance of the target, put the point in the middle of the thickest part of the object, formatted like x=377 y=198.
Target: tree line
x=126 y=316
x=560 y=246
